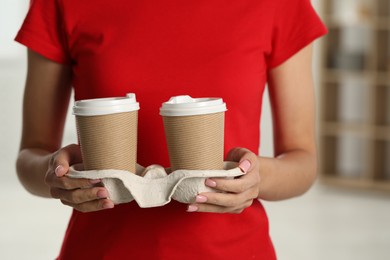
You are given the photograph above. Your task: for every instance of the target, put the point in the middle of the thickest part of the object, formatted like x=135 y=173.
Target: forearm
x=46 y=98
x=31 y=166
x=288 y=175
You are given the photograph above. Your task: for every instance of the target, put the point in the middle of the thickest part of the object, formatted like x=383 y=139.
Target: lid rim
x=192 y=114
x=105 y=106
x=187 y=106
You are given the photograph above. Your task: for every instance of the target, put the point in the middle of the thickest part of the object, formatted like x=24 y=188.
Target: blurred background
x=346 y=215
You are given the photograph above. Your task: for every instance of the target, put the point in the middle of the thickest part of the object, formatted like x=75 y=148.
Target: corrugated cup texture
x=195 y=142
x=109 y=141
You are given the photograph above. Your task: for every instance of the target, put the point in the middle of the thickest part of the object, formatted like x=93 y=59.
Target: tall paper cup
x=107 y=130
x=194 y=130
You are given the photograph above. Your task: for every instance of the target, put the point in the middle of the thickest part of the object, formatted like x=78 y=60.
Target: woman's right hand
x=81 y=194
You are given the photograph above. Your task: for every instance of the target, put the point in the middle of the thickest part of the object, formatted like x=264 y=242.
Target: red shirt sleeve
x=42 y=31
x=296 y=24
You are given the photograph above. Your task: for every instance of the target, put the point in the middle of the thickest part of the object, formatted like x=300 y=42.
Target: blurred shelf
x=382 y=23
x=355 y=183
x=357 y=129
x=335 y=75
x=379 y=23
x=355 y=95
x=383 y=78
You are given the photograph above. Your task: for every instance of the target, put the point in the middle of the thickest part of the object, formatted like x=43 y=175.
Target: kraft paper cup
x=194 y=130
x=107 y=130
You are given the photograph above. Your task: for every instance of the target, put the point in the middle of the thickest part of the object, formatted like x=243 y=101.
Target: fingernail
x=245 y=165
x=192 y=208
x=210 y=183
x=58 y=170
x=102 y=194
x=201 y=198
x=95 y=181
x=108 y=205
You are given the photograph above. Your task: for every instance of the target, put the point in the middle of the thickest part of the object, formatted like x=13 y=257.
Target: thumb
x=244 y=157
x=65 y=157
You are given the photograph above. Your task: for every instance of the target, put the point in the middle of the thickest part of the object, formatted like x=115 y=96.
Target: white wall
x=12 y=13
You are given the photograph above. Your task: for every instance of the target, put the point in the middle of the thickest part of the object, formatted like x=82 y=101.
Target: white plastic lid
x=105 y=106
x=188 y=106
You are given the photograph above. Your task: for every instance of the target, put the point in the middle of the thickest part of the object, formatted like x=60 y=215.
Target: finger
x=244 y=157
x=218 y=209
x=220 y=199
x=208 y=208
x=67 y=183
x=90 y=206
x=65 y=157
x=79 y=196
x=228 y=200
x=237 y=185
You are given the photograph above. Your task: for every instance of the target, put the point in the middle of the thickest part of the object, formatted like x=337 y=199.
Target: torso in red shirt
x=158 y=49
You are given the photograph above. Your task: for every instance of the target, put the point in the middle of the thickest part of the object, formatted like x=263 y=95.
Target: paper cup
x=107 y=130
x=194 y=130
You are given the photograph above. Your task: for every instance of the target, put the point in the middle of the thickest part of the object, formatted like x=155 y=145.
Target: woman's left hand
x=236 y=194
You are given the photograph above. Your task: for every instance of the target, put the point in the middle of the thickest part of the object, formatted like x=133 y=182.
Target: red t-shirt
x=159 y=49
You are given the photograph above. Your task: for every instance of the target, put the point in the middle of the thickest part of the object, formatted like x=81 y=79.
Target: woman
x=158 y=49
